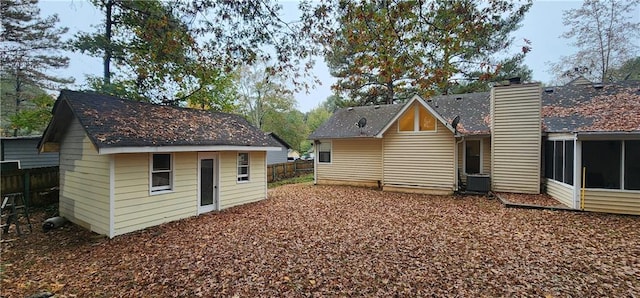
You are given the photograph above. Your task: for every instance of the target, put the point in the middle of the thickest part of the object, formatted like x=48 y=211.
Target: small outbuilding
x=127 y=165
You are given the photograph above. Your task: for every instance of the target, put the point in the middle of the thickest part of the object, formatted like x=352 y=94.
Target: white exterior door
x=207 y=182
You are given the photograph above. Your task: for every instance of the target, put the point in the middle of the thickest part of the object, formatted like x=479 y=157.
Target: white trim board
x=167 y=149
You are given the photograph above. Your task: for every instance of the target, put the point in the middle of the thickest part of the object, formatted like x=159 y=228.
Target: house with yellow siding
x=579 y=143
x=127 y=165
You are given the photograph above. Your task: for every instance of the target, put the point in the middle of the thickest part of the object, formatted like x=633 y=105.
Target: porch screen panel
x=632 y=165
x=602 y=161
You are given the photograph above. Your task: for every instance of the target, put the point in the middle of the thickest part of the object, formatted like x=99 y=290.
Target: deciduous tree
x=385 y=51
x=261 y=93
x=605 y=32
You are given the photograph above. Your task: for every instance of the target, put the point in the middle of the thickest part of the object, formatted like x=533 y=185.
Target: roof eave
x=187 y=148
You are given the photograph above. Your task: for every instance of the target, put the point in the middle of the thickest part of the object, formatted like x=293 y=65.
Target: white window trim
x=248 y=175
x=161 y=190
x=330 y=142
x=416 y=122
x=464 y=155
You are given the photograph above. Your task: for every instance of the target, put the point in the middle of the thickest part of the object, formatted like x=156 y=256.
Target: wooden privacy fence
x=39 y=185
x=279 y=171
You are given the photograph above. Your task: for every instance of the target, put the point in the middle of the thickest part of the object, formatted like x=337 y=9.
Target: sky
x=542 y=25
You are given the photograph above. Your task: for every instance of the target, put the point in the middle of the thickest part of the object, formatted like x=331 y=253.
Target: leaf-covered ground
x=340 y=241
x=531 y=199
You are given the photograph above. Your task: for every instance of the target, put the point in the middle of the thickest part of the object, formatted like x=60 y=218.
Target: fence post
x=27 y=188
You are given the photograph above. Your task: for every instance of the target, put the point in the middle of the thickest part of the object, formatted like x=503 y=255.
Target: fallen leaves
x=310 y=240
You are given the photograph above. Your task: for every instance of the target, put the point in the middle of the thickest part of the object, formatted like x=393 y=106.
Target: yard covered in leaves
x=310 y=240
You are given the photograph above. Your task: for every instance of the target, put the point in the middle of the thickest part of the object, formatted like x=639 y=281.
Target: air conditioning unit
x=479 y=183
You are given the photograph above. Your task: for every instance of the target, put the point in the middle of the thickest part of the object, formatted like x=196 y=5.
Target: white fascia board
x=160 y=149
x=406 y=106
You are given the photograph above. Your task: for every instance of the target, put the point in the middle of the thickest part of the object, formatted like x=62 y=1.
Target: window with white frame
x=612 y=164
x=243 y=166
x=161 y=172
x=324 y=151
x=558 y=156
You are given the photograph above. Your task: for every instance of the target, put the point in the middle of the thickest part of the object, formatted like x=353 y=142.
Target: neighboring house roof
x=279 y=140
x=343 y=123
x=112 y=122
x=612 y=107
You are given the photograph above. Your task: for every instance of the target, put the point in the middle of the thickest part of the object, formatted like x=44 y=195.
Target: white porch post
x=577 y=173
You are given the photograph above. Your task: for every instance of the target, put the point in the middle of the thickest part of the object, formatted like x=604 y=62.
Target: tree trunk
x=108 y=50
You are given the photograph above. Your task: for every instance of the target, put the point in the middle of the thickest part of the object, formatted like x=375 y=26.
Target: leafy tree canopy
x=29 y=46
x=385 y=51
x=605 y=33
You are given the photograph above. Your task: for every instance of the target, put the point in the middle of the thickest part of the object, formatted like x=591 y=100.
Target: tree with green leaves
x=507 y=68
x=28 y=52
x=156 y=55
x=385 y=51
x=261 y=94
x=174 y=51
x=605 y=32
x=36 y=118
x=629 y=70
x=288 y=125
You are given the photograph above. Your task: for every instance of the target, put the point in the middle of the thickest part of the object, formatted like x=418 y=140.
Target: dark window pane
x=568 y=162
x=206 y=182
x=324 y=156
x=161 y=162
x=558 y=163
x=548 y=159
x=602 y=162
x=472 y=157
x=161 y=179
x=243 y=170
x=632 y=165
x=243 y=159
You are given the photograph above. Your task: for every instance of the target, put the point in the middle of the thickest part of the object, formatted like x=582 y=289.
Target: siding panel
x=84 y=181
x=356 y=162
x=233 y=193
x=561 y=192
x=515 y=138
x=612 y=201
x=26 y=151
x=136 y=209
x=419 y=160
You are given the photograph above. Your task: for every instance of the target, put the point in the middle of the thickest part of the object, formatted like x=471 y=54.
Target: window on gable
x=417 y=118
x=161 y=172
x=243 y=166
x=407 y=121
x=427 y=121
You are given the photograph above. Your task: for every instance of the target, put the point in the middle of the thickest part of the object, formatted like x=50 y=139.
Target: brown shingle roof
x=613 y=107
x=114 y=122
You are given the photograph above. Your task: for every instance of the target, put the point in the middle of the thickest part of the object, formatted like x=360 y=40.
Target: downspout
x=455 y=163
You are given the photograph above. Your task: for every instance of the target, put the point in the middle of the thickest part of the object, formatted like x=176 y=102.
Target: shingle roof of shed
x=114 y=122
